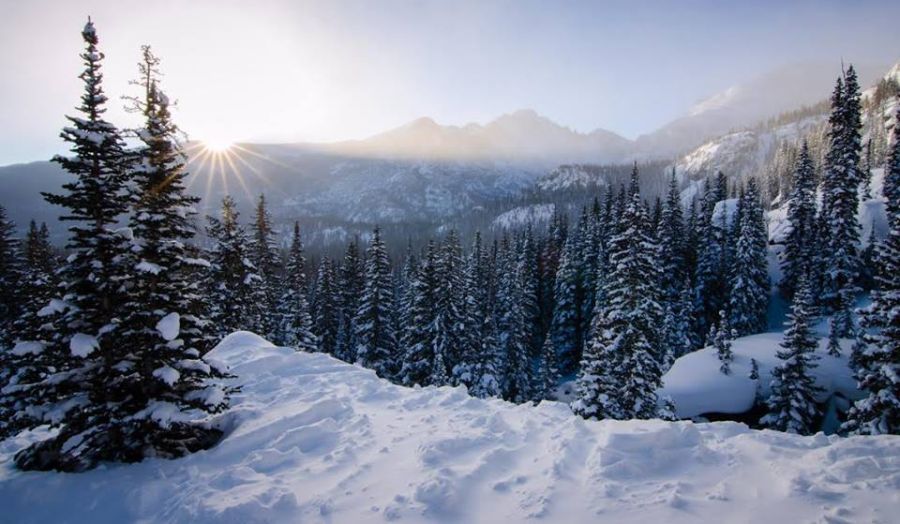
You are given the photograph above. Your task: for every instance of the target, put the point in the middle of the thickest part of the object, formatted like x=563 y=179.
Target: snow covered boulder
x=697 y=386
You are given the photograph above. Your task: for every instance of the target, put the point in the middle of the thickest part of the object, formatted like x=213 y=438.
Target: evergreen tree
x=265 y=257
x=233 y=281
x=376 y=345
x=27 y=360
x=720 y=336
x=671 y=237
x=162 y=317
x=9 y=279
x=417 y=336
x=565 y=328
x=877 y=361
x=325 y=307
x=749 y=294
x=548 y=374
x=448 y=310
x=839 y=208
x=295 y=326
x=83 y=348
x=711 y=291
x=37 y=284
x=480 y=364
x=800 y=248
x=350 y=285
x=511 y=331
x=792 y=405
x=531 y=285
x=620 y=370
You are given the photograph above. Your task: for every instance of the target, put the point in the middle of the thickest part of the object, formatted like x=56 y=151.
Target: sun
x=217 y=145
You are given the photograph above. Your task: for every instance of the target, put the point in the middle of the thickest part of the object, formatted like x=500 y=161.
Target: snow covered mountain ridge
x=312 y=439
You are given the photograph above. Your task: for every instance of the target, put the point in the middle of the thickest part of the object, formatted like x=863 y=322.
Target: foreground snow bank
x=312 y=439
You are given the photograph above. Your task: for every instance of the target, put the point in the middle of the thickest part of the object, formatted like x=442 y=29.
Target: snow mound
x=313 y=439
x=698 y=387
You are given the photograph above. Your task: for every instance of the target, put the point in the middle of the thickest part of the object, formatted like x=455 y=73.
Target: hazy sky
x=322 y=71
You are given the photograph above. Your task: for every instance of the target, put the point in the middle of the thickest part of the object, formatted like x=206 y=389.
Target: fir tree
x=877 y=361
x=37 y=284
x=417 y=335
x=792 y=405
x=295 y=326
x=711 y=291
x=671 y=236
x=265 y=258
x=162 y=316
x=565 y=328
x=9 y=279
x=325 y=307
x=448 y=310
x=350 y=285
x=749 y=294
x=800 y=248
x=620 y=370
x=376 y=345
x=512 y=340
x=83 y=348
x=233 y=281
x=839 y=207
x=720 y=336
x=482 y=359
x=548 y=374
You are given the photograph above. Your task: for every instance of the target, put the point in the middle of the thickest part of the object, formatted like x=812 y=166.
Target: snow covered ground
x=312 y=439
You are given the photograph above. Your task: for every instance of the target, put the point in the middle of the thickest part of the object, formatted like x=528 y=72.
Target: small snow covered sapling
x=721 y=337
x=792 y=405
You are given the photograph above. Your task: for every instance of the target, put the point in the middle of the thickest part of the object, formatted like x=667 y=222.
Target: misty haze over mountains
x=427 y=173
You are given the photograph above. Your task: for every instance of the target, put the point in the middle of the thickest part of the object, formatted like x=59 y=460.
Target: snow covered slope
x=312 y=439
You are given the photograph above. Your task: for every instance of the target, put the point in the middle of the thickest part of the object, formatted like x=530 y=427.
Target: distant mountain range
x=427 y=173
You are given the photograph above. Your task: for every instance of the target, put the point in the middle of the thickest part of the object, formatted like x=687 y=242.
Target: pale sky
x=331 y=70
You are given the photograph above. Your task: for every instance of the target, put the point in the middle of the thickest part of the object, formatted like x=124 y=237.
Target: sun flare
x=217 y=145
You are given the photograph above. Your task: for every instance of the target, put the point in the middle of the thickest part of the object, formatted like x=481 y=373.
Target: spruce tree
x=711 y=287
x=9 y=279
x=85 y=343
x=162 y=316
x=565 y=328
x=233 y=281
x=295 y=323
x=448 y=310
x=749 y=293
x=800 y=248
x=671 y=236
x=376 y=345
x=481 y=361
x=265 y=257
x=839 y=208
x=548 y=374
x=511 y=332
x=37 y=285
x=720 y=336
x=877 y=361
x=792 y=405
x=620 y=370
x=350 y=286
x=26 y=359
x=325 y=307
x=417 y=338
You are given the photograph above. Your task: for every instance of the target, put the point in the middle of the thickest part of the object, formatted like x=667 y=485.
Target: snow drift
x=312 y=439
